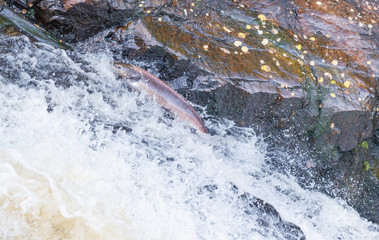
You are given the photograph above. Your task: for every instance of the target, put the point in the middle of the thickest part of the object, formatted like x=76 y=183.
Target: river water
x=81 y=157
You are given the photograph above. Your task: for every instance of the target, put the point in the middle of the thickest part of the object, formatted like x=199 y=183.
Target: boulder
x=15 y=24
x=75 y=20
x=269 y=219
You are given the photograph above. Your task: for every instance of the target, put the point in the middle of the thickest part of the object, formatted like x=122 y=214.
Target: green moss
x=366 y=166
x=364 y=145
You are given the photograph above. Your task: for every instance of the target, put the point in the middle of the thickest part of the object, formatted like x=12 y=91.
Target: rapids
x=81 y=157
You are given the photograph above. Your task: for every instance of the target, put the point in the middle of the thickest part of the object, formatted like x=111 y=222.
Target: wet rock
x=355 y=125
x=249 y=108
x=269 y=219
x=14 y=24
x=356 y=180
x=76 y=20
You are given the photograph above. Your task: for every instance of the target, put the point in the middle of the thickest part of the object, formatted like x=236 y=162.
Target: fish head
x=127 y=73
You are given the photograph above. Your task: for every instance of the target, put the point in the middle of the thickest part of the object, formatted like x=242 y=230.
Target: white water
x=66 y=174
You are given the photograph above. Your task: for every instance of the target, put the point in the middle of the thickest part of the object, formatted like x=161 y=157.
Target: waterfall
x=81 y=157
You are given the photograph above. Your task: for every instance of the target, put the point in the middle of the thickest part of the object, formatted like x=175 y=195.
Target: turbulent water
x=81 y=157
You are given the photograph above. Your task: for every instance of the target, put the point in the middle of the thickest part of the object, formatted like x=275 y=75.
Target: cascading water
x=83 y=158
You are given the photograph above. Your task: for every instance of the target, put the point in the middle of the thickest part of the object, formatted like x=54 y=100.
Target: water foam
x=67 y=172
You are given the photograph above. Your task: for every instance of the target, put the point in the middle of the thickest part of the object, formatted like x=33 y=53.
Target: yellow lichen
x=262 y=17
x=241 y=35
x=266 y=68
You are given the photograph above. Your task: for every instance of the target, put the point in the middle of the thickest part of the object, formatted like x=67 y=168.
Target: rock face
x=76 y=20
x=14 y=25
x=308 y=67
x=277 y=62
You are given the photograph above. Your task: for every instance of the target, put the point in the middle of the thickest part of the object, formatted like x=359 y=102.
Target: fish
x=141 y=80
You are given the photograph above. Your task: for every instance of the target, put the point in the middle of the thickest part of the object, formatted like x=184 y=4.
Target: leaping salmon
x=141 y=80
